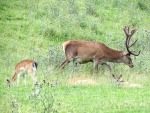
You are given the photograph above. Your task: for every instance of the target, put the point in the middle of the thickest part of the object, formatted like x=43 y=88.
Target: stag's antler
x=129 y=34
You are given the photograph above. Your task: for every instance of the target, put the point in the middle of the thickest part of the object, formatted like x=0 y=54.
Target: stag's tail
x=64 y=45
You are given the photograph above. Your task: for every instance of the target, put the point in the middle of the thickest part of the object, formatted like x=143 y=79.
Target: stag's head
x=127 y=55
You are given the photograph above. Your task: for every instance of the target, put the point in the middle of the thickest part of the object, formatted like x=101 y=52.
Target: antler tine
x=133 y=31
x=130 y=33
x=135 y=54
x=126 y=30
x=131 y=52
x=133 y=43
x=128 y=37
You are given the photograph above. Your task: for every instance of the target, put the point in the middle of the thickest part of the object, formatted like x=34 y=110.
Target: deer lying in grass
x=85 y=51
x=125 y=84
x=24 y=67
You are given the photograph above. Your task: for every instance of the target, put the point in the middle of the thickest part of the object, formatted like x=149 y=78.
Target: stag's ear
x=125 y=53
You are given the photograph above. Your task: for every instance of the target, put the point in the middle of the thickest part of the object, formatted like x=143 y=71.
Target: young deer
x=125 y=84
x=24 y=67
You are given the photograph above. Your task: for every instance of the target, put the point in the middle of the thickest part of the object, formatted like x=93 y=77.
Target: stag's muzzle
x=131 y=65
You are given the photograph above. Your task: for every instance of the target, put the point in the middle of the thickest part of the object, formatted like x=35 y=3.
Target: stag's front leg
x=108 y=67
x=96 y=62
x=75 y=63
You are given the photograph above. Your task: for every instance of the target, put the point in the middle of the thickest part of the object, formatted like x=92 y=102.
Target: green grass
x=36 y=29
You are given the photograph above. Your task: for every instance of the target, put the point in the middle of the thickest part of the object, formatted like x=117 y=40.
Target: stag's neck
x=113 y=54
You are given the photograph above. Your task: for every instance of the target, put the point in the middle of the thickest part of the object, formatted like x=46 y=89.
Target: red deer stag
x=24 y=67
x=98 y=53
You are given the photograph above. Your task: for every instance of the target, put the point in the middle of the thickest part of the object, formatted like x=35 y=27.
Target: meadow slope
x=36 y=29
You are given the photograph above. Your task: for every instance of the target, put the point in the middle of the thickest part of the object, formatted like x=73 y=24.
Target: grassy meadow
x=35 y=29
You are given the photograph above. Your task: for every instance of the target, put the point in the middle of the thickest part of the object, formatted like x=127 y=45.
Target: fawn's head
x=9 y=82
x=118 y=79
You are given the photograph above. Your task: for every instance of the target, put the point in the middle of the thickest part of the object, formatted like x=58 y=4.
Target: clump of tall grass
x=43 y=97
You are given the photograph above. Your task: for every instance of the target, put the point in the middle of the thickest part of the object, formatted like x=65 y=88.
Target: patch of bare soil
x=81 y=81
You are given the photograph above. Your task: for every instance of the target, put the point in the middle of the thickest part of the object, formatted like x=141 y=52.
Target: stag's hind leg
x=69 y=56
x=64 y=63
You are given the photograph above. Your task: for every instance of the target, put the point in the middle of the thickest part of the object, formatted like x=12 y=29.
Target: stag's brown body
x=85 y=51
x=96 y=52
